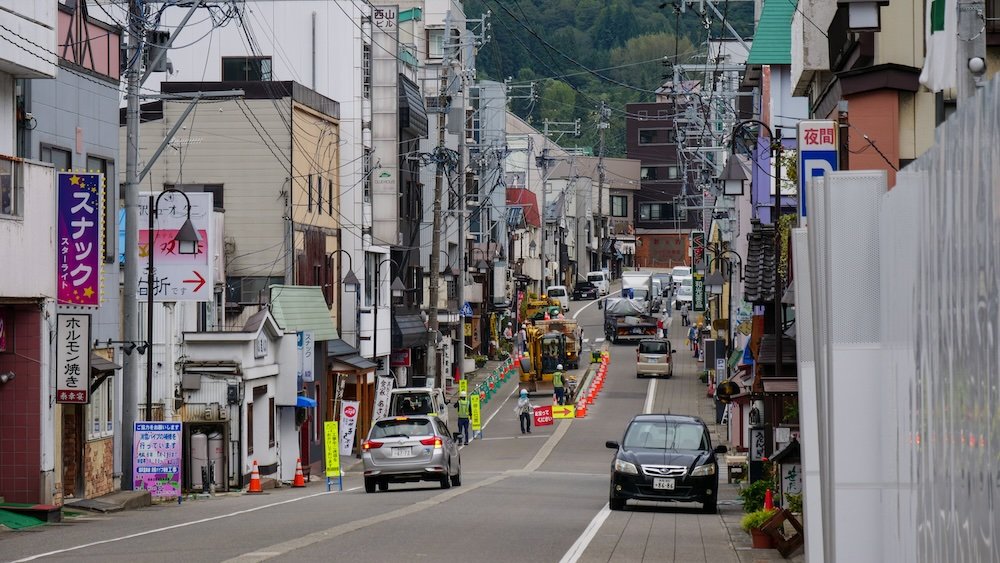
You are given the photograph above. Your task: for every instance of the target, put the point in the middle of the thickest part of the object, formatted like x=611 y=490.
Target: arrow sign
x=200 y=280
x=563 y=411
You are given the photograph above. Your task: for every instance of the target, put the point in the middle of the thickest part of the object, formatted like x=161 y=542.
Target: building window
x=657 y=136
x=643 y=114
x=309 y=206
x=244 y=69
x=60 y=158
x=647 y=173
x=329 y=198
x=673 y=172
x=366 y=71
x=270 y=423
x=619 y=206
x=11 y=189
x=100 y=411
x=367 y=163
x=218 y=204
x=250 y=289
x=435 y=43
x=657 y=212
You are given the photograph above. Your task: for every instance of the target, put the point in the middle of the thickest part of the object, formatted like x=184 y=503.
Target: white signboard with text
x=383 y=392
x=73 y=358
x=176 y=277
x=348 y=426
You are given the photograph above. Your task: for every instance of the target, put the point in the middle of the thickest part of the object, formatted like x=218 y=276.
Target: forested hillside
x=580 y=52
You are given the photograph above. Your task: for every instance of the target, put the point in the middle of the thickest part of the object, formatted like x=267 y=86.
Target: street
x=538 y=497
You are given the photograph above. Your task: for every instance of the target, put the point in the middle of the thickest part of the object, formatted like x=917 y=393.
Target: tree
x=558 y=101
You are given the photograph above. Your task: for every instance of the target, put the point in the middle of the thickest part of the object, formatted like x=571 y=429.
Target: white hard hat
x=524 y=391
x=462 y=394
x=559 y=366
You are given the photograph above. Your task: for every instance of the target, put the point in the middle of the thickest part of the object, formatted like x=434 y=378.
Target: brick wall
x=20 y=441
x=98 y=463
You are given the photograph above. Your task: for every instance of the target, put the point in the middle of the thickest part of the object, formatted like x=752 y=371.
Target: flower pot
x=760 y=540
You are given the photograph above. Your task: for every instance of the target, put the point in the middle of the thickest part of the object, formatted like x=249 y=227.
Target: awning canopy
x=305 y=402
x=302 y=308
x=99 y=364
x=357 y=362
x=338 y=351
x=408 y=331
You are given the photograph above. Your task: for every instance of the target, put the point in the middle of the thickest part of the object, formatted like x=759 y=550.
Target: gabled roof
x=527 y=200
x=772 y=42
x=302 y=308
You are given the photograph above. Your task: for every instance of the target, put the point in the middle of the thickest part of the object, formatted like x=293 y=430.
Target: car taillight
x=369 y=444
x=435 y=441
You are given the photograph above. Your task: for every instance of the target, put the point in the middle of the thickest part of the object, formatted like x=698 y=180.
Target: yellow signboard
x=332 y=442
x=463 y=386
x=563 y=411
x=476 y=420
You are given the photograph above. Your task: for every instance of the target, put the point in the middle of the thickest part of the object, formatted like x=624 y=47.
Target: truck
x=628 y=319
x=637 y=285
x=574 y=338
x=546 y=350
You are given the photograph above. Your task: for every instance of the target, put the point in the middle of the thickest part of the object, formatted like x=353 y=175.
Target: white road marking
x=548 y=446
x=650 y=394
x=516 y=437
x=581 y=543
x=176 y=526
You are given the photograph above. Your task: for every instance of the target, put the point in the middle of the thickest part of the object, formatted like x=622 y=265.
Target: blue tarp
x=305 y=402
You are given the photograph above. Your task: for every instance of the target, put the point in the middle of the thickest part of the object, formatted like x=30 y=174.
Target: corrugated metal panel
x=301 y=308
x=772 y=42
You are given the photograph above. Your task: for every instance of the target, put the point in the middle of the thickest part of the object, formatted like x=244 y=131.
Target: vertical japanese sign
x=349 y=424
x=176 y=277
x=818 y=153
x=306 y=357
x=73 y=358
x=697 y=248
x=80 y=227
x=463 y=386
x=474 y=411
x=157 y=458
x=332 y=442
x=383 y=392
x=698 y=291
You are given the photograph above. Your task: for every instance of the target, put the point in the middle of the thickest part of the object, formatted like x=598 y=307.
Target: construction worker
x=464 y=409
x=557 y=383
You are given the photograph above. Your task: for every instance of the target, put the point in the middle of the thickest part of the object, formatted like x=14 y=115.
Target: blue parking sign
x=818 y=145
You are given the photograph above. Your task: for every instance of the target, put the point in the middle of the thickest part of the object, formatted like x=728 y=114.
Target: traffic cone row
x=596 y=384
x=255 y=480
x=300 y=480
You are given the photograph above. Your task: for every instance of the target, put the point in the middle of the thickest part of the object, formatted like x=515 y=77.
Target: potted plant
x=752 y=522
x=480 y=360
x=754 y=493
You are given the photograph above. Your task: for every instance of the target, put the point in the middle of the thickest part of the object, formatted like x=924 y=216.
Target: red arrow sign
x=200 y=280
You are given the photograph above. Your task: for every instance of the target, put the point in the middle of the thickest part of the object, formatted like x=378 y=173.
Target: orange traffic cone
x=300 y=480
x=255 y=480
x=768 y=500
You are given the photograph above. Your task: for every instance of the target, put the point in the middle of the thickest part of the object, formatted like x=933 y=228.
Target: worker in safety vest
x=464 y=408
x=557 y=383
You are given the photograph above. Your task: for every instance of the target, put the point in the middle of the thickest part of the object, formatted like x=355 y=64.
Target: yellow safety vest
x=463 y=408
x=557 y=379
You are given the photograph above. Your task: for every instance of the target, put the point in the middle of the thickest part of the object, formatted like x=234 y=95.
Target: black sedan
x=665 y=457
x=584 y=290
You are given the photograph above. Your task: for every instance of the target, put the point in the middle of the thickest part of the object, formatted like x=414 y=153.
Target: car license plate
x=663 y=483
x=407 y=452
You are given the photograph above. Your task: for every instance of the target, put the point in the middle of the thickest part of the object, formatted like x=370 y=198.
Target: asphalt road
x=539 y=497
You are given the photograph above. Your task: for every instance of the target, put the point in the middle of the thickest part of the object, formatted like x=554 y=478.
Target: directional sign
x=176 y=277
x=563 y=411
x=818 y=153
x=543 y=415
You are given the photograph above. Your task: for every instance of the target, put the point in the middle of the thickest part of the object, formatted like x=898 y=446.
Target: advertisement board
x=348 y=426
x=80 y=224
x=73 y=358
x=176 y=277
x=157 y=458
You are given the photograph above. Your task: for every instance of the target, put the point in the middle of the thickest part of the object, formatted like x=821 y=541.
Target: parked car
x=654 y=356
x=665 y=457
x=559 y=293
x=684 y=294
x=585 y=290
x=405 y=449
x=601 y=280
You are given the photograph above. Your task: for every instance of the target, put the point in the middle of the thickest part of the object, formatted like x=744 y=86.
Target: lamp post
x=726 y=257
x=378 y=299
x=187 y=240
x=482 y=266
x=352 y=284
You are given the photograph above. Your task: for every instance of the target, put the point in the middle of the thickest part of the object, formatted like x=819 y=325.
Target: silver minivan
x=654 y=356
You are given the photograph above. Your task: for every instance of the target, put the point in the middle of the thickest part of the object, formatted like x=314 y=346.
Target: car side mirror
x=611 y=445
x=721 y=449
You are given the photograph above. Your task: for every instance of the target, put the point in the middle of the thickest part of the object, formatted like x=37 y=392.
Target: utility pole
x=602 y=126
x=130 y=307
x=560 y=128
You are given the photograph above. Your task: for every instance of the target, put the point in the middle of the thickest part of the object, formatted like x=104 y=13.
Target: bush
x=753 y=494
x=756 y=519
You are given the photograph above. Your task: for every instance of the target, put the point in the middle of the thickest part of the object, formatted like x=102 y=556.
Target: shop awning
x=302 y=308
x=305 y=402
x=408 y=331
x=100 y=364
x=338 y=351
x=357 y=362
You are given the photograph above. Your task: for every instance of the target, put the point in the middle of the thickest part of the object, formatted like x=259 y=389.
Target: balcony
x=27 y=224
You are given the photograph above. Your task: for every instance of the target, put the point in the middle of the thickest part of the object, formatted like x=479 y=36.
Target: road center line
x=581 y=543
x=548 y=446
x=650 y=394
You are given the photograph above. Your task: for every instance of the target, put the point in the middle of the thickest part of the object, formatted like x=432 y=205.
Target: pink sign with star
x=79 y=244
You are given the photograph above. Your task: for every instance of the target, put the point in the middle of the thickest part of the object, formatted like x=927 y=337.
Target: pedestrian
x=523 y=334
x=692 y=336
x=464 y=408
x=524 y=411
x=557 y=383
x=684 y=314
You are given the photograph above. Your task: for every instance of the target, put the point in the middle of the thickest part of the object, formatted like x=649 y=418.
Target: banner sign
x=697 y=248
x=80 y=226
x=383 y=392
x=348 y=425
x=818 y=153
x=304 y=341
x=156 y=459
x=73 y=358
x=543 y=416
x=463 y=386
x=474 y=411
x=332 y=442
x=176 y=277
x=698 y=291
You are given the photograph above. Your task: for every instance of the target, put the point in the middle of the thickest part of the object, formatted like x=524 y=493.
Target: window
x=368 y=169
x=647 y=173
x=11 y=189
x=435 y=43
x=60 y=158
x=619 y=206
x=366 y=71
x=657 y=212
x=673 y=172
x=270 y=422
x=250 y=289
x=642 y=114
x=100 y=411
x=657 y=136
x=309 y=206
x=218 y=204
x=329 y=199
x=246 y=68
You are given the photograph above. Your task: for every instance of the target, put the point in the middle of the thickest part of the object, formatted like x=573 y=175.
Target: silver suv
x=406 y=449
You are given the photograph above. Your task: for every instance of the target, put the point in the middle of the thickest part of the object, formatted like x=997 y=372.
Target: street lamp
x=481 y=265
x=734 y=177
x=378 y=293
x=187 y=240
x=352 y=284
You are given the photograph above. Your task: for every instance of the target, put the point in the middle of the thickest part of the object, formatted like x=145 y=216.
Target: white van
x=600 y=281
x=679 y=274
x=405 y=401
x=560 y=293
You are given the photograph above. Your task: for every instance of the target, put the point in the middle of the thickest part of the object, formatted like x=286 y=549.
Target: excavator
x=546 y=350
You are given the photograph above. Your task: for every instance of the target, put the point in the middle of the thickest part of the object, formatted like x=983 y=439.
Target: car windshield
x=639 y=293
x=663 y=435
x=413 y=403
x=652 y=347
x=554 y=292
x=585 y=286
x=402 y=428
x=595 y=277
x=684 y=290
x=681 y=272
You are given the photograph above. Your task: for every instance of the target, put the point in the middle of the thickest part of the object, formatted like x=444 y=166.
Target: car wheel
x=709 y=507
x=616 y=503
x=446 y=480
x=383 y=485
x=369 y=485
x=456 y=480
